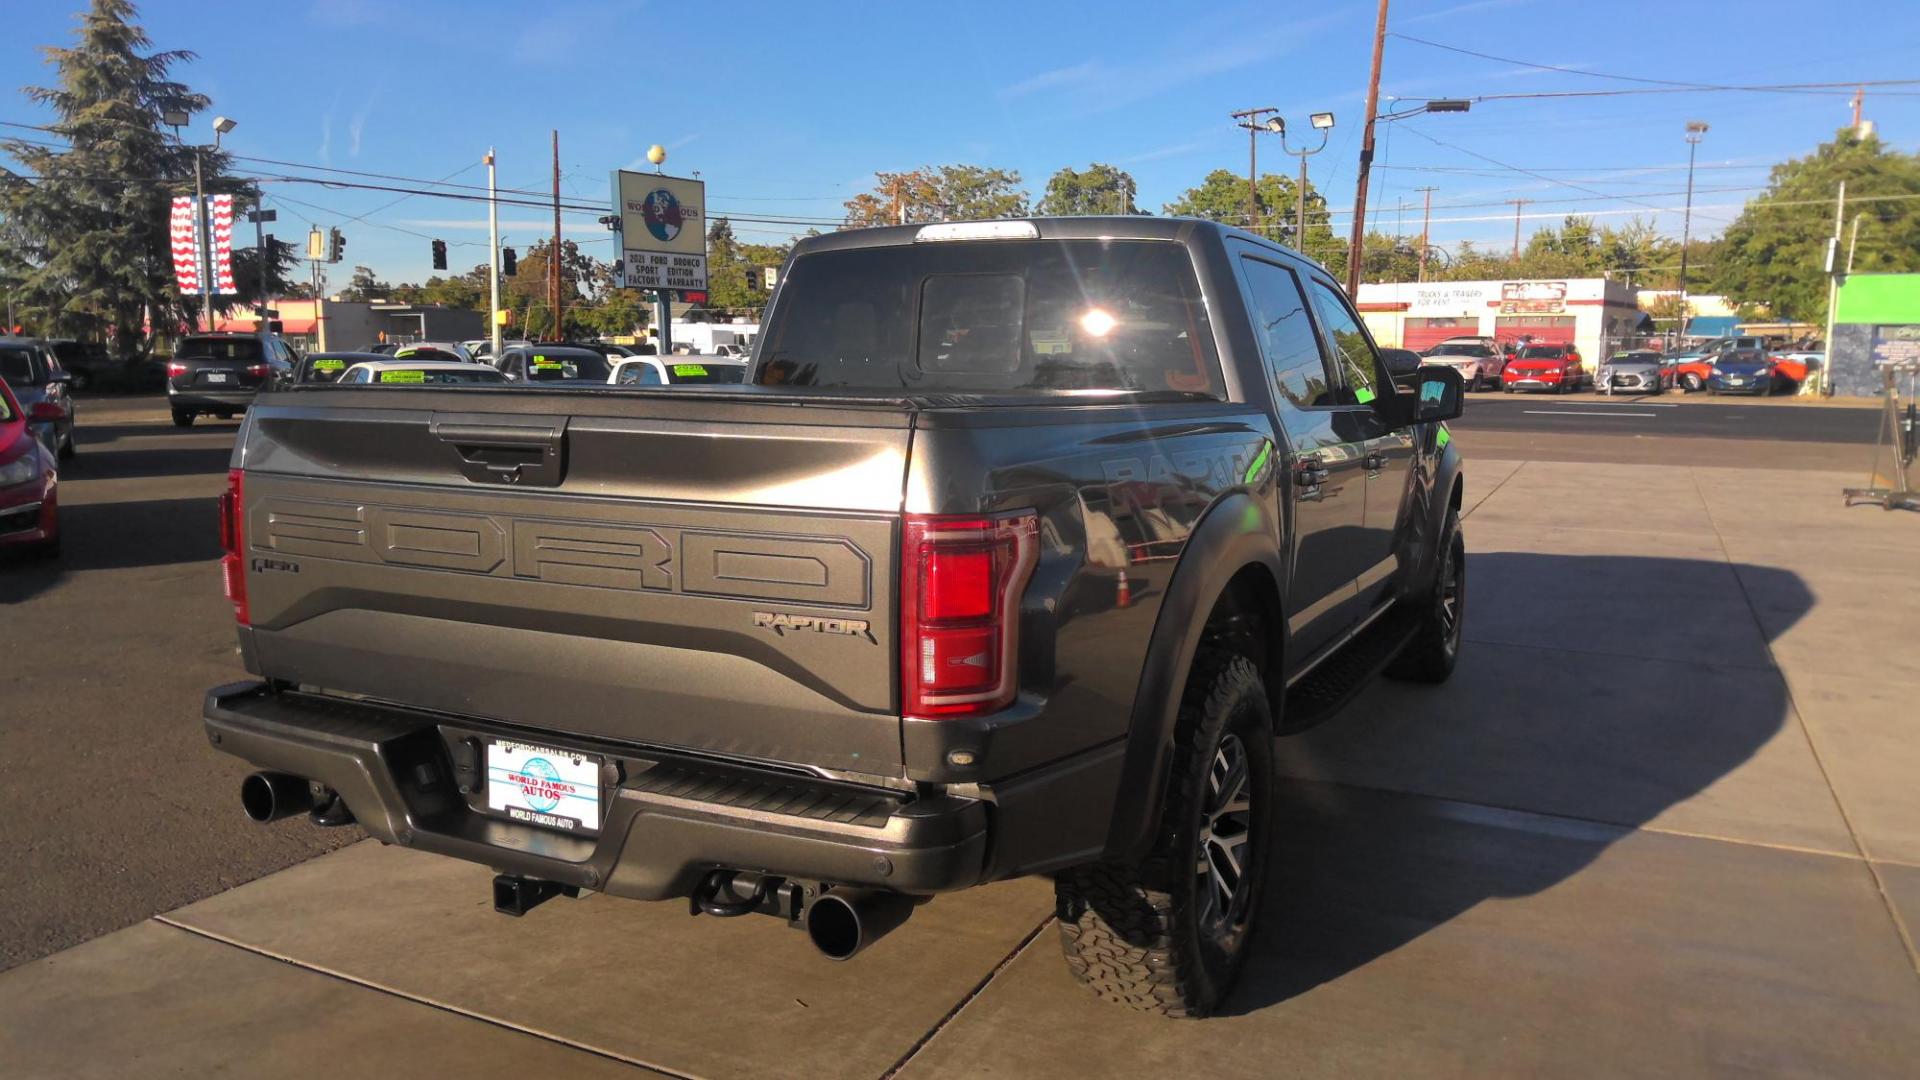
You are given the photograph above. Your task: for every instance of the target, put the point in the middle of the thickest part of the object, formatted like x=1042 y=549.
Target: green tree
x=85 y=237
x=1097 y=189
x=1774 y=252
x=1222 y=197
x=363 y=287
x=945 y=193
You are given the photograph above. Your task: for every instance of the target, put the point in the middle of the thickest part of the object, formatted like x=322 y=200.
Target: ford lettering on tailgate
x=823 y=571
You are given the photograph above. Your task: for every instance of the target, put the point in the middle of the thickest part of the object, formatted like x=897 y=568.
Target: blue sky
x=787 y=109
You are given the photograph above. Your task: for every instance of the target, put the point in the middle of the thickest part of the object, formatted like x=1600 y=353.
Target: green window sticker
x=541 y=362
x=1443 y=437
x=404 y=353
x=329 y=365
x=689 y=370
x=1362 y=394
x=403 y=376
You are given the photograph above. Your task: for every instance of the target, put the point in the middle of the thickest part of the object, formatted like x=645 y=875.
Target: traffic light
x=336 y=245
x=509 y=262
x=439 y=254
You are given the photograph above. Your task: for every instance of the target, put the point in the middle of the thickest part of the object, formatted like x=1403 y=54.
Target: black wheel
x=183 y=418
x=1693 y=383
x=1435 y=647
x=1169 y=935
x=68 y=448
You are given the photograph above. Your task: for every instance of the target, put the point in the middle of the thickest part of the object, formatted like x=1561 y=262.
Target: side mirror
x=1438 y=394
x=46 y=411
x=1400 y=362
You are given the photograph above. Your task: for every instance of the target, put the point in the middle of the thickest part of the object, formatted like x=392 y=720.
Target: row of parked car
x=1734 y=365
x=219 y=374
x=36 y=431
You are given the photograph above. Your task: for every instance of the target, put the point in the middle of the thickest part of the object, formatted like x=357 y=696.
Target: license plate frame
x=545 y=786
x=215 y=376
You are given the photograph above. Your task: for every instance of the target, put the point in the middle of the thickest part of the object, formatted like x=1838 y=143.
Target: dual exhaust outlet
x=841 y=922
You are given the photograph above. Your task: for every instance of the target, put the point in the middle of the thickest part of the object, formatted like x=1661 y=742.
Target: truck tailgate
x=708 y=572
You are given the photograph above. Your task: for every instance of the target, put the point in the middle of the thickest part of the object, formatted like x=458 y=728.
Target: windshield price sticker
x=689 y=369
x=403 y=376
x=329 y=365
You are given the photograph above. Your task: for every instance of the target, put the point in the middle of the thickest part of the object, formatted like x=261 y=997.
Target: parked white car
x=678 y=370
x=417 y=373
x=1479 y=364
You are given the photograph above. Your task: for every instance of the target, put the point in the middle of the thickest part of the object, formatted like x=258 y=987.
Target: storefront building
x=1592 y=314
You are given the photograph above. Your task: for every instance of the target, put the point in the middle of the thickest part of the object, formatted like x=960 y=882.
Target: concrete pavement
x=1661 y=822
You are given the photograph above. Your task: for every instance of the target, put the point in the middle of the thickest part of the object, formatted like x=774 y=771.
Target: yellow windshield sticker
x=329 y=365
x=403 y=376
x=404 y=353
x=687 y=370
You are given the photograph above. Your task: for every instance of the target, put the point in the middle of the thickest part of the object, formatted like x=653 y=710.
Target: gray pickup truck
x=1019 y=545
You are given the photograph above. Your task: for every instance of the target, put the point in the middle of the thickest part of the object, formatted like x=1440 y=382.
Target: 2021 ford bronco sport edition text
x=1020 y=544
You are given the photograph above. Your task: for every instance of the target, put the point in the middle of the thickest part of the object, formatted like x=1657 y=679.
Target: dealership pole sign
x=663 y=231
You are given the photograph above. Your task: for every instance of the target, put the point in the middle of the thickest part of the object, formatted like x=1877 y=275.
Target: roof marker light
x=978 y=230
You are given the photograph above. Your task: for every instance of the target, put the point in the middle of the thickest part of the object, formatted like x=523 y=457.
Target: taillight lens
x=960 y=584
x=233 y=542
x=257 y=370
x=175 y=370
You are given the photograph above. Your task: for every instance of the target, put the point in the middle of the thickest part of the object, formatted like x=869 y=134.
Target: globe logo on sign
x=662 y=214
x=540 y=784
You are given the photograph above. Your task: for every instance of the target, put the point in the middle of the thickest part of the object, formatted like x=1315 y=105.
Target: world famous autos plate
x=556 y=789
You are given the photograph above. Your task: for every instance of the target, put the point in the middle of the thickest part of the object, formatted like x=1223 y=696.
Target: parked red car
x=1553 y=368
x=29 y=508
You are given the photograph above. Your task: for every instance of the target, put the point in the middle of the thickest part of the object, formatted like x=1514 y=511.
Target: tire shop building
x=1588 y=313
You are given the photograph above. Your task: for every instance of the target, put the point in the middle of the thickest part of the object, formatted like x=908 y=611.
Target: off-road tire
x=182 y=418
x=1133 y=934
x=1435 y=648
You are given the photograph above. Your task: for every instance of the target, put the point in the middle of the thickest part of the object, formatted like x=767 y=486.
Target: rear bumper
x=201 y=398
x=668 y=822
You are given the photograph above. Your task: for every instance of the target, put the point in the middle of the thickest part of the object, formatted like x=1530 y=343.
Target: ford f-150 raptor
x=1018 y=547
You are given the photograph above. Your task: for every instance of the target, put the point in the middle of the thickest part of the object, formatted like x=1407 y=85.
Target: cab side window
x=1353 y=350
x=1300 y=373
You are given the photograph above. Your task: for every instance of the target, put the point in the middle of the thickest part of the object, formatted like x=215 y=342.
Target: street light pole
x=1696 y=130
x=1322 y=122
x=203 y=239
x=493 y=259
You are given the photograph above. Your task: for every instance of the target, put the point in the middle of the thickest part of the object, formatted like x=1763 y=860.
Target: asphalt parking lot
x=1661 y=821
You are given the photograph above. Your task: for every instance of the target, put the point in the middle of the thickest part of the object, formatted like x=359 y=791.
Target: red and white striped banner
x=222 y=209
x=186 y=251
x=186 y=248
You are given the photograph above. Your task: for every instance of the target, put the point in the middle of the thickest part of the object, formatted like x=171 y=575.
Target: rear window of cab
x=993 y=316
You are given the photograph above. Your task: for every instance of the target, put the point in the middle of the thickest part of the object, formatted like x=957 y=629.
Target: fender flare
x=1447 y=469
x=1236 y=532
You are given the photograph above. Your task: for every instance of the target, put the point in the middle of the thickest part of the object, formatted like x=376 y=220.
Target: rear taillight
x=960 y=584
x=233 y=544
x=258 y=371
x=175 y=369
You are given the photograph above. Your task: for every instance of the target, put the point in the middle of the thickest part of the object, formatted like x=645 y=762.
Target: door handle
x=1376 y=461
x=1308 y=473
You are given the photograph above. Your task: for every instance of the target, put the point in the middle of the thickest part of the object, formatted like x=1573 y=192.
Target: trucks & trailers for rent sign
x=663 y=231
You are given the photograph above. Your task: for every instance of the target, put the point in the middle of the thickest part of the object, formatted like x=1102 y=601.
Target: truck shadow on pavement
x=116 y=536
x=1600 y=692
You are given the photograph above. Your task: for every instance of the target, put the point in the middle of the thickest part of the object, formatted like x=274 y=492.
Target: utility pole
x=1696 y=130
x=553 y=257
x=1517 y=204
x=493 y=258
x=1426 y=220
x=1250 y=119
x=1859 y=97
x=1354 y=245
